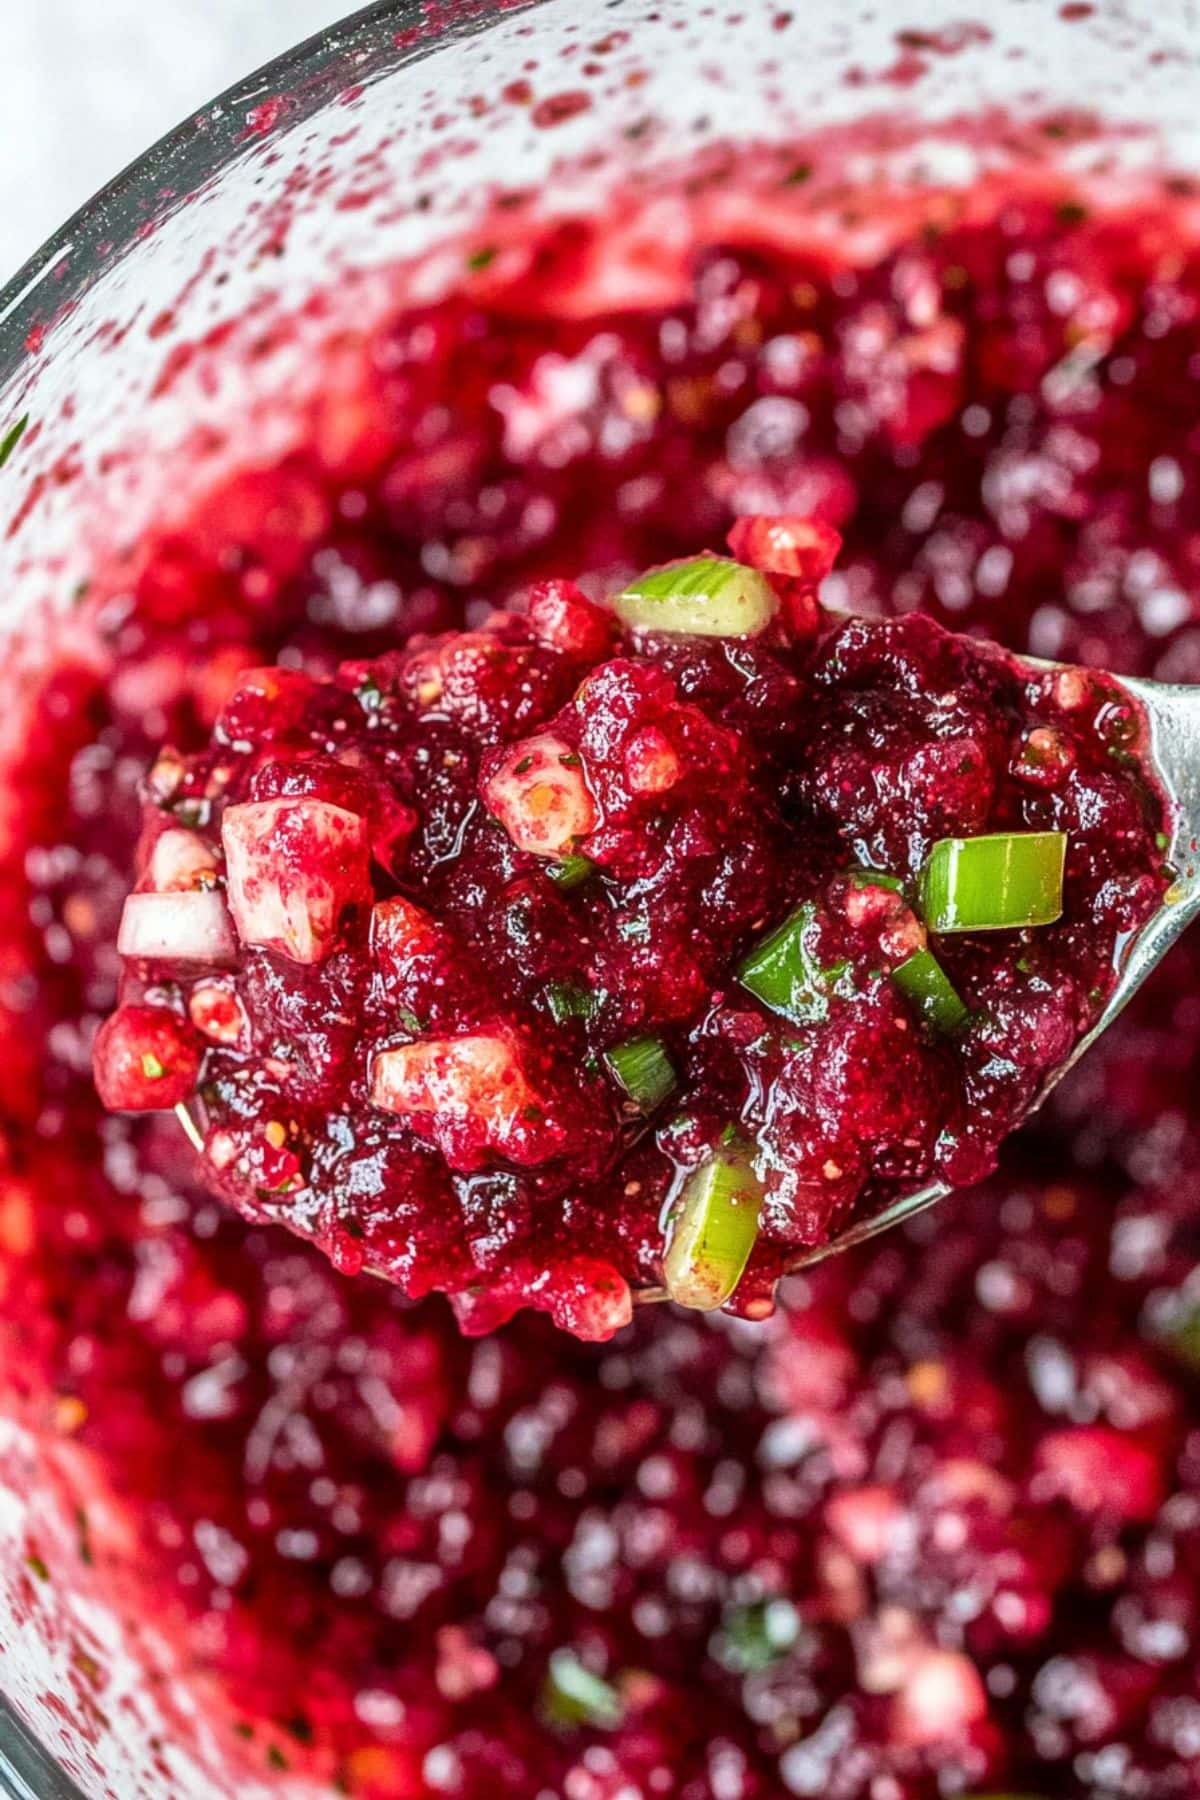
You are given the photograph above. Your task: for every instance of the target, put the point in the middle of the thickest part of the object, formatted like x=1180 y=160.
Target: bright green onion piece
x=707 y=596
x=570 y=870
x=643 y=1069
x=784 y=974
x=714 y=1230
x=1000 y=882
x=924 y=981
x=574 y=1696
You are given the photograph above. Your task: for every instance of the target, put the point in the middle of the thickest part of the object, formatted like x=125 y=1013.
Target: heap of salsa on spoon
x=628 y=945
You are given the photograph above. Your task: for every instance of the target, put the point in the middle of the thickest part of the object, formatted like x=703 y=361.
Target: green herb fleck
x=569 y=871
x=525 y=764
x=275 y=1757
x=800 y=173
x=869 y=878
x=481 y=258
x=410 y=1021
x=36 y=1566
x=12 y=438
x=152 y=1069
x=757 y=1635
x=369 y=694
x=572 y=1695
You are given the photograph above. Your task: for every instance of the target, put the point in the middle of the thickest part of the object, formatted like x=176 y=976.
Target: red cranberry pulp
x=933 y=1527
x=450 y=929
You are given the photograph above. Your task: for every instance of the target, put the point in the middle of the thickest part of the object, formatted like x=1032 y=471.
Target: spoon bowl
x=1171 y=718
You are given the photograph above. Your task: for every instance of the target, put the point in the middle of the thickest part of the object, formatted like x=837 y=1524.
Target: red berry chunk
x=178 y=928
x=475 y=1093
x=145 y=1059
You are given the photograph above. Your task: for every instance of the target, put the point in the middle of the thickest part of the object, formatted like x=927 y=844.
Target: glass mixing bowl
x=140 y=349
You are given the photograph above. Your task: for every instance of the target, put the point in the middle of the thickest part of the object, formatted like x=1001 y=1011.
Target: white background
x=86 y=85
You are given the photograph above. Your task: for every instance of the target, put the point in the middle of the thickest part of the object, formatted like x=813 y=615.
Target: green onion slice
x=923 y=980
x=865 y=878
x=714 y=1230
x=707 y=596
x=783 y=971
x=758 y=1634
x=568 y=1001
x=1000 y=882
x=574 y=1696
x=570 y=870
x=642 y=1067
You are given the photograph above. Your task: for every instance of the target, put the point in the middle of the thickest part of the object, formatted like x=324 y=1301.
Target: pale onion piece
x=539 y=795
x=180 y=861
x=293 y=867
x=190 y=927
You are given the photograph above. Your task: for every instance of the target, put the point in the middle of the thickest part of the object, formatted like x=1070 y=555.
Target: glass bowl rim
x=104 y=229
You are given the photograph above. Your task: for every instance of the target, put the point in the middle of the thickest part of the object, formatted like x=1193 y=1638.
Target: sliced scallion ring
x=714 y=1229
x=642 y=1067
x=924 y=981
x=1000 y=882
x=783 y=972
x=706 y=596
x=567 y=1000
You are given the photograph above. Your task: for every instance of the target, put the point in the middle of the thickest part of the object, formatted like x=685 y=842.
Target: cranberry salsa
x=699 y=917
x=475 y=922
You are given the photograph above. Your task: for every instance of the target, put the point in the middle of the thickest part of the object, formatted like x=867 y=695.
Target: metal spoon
x=1172 y=717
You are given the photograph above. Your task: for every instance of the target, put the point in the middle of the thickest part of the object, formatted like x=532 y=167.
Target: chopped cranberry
x=474 y=1091
x=145 y=1060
